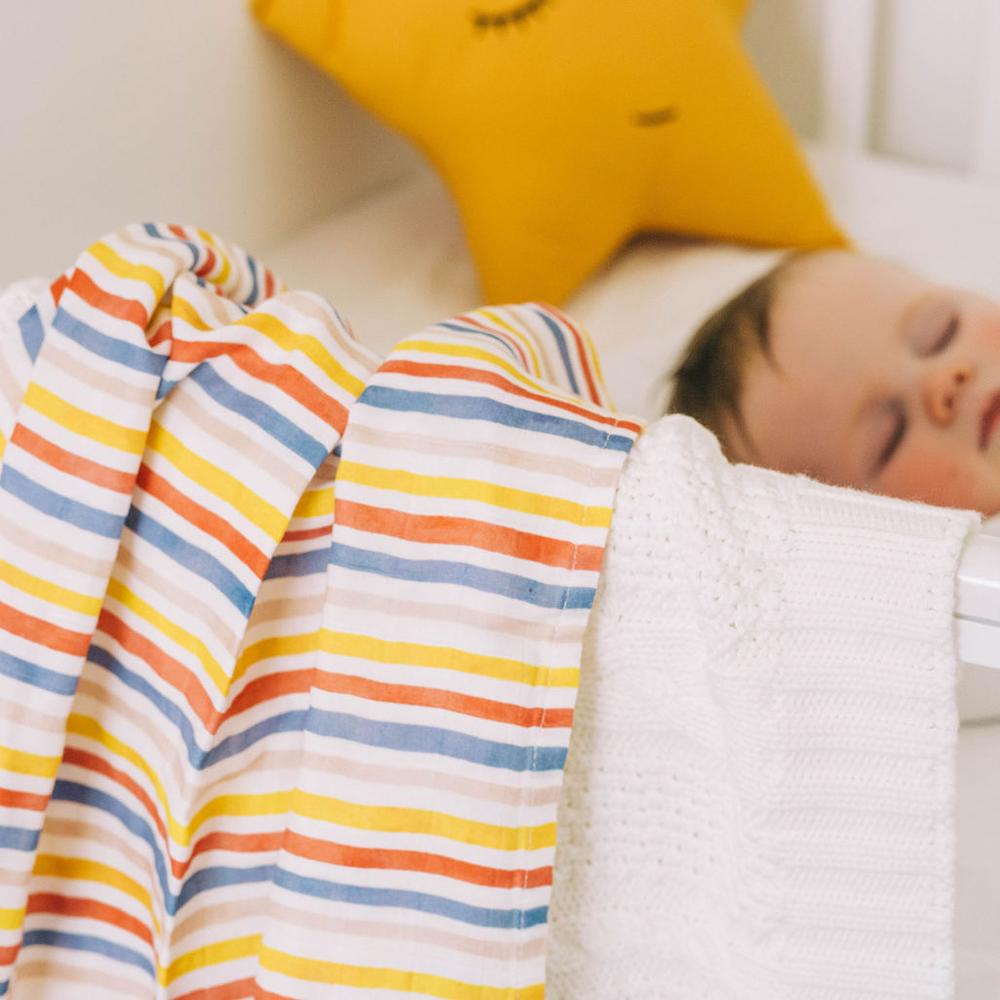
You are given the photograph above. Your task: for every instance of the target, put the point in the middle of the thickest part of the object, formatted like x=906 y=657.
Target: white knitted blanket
x=758 y=802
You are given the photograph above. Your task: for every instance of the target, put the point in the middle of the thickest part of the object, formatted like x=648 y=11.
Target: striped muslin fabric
x=289 y=633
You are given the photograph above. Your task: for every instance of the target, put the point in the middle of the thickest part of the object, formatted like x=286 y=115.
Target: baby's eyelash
x=947 y=335
x=895 y=439
x=484 y=20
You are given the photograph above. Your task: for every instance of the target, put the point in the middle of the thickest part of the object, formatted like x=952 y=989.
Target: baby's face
x=880 y=380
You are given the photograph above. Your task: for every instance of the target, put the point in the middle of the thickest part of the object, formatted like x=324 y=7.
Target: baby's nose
x=941 y=391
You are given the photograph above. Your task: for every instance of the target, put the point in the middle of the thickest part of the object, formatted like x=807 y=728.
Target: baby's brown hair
x=708 y=378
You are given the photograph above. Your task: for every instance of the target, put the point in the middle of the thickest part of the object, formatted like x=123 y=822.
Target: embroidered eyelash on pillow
x=563 y=127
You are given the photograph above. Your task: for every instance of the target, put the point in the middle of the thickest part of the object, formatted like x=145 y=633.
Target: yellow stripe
x=489 y=357
x=314 y=970
x=10 y=920
x=107 y=432
x=268 y=804
x=220 y=278
x=22 y=762
x=122 y=268
x=397 y=819
x=183 y=310
x=82 y=725
x=275 y=646
x=227 y=488
x=122 y=594
x=209 y=955
x=63 y=597
x=288 y=340
x=93 y=871
x=415 y=654
x=525 y=339
x=474 y=489
x=315 y=503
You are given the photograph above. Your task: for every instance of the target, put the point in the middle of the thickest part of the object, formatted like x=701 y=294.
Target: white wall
x=930 y=63
x=116 y=111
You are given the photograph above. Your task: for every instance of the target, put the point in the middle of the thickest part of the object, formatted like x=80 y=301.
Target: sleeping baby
x=857 y=372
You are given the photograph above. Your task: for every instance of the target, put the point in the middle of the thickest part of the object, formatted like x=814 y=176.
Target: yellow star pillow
x=563 y=127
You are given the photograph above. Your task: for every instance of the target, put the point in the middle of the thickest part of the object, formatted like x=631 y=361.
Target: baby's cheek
x=937 y=477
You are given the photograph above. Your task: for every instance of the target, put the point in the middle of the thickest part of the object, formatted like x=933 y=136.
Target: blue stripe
x=299 y=564
x=165 y=387
x=193 y=248
x=268 y=419
x=137 y=825
x=199 y=759
x=423 y=902
x=481 y=408
x=485 y=335
x=16 y=838
x=213 y=878
x=88 y=942
x=140 y=359
x=171 y=712
x=431 y=739
x=251 y=299
x=41 y=677
x=98 y=522
x=286 y=722
x=32 y=331
x=490 y=581
x=194 y=558
x=557 y=336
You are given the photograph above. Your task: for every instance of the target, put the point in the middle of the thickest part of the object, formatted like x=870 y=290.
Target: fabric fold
x=291 y=633
x=759 y=798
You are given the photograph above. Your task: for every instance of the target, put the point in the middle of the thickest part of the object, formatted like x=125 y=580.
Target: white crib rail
x=977 y=610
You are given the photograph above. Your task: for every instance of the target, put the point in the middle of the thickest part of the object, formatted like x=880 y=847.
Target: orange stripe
x=8 y=954
x=580 y=350
x=306 y=533
x=237 y=990
x=43 y=633
x=204 y=519
x=174 y=673
x=440 y=530
x=73 y=465
x=504 y=335
x=209 y=263
x=11 y=799
x=415 y=861
x=179 y=231
x=422 y=369
x=58 y=287
x=284 y=377
x=163 y=332
x=92 y=762
x=70 y=906
x=298 y=681
x=130 y=310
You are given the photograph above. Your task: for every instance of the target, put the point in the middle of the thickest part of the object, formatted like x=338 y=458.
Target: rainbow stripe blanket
x=289 y=634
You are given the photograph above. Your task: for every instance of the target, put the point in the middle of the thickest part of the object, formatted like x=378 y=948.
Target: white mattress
x=397 y=261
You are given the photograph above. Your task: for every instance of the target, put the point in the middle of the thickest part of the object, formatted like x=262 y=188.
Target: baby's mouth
x=988 y=422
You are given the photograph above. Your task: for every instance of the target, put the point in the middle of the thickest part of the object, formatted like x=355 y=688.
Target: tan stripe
x=214 y=917
x=113 y=387
x=199 y=610
x=151 y=246
x=539 y=631
x=577 y=472
x=9 y=387
x=20 y=714
x=99 y=687
x=77 y=561
x=229 y=436
x=281 y=608
x=358 y=353
x=220 y=311
x=73 y=978
x=68 y=830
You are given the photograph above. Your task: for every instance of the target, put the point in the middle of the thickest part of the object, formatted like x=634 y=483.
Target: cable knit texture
x=759 y=798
